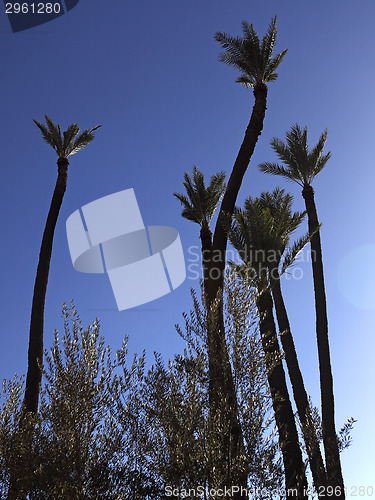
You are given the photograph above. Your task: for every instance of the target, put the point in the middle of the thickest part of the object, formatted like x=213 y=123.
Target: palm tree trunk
x=219 y=365
x=19 y=480
x=206 y=247
x=295 y=477
x=299 y=391
x=35 y=355
x=253 y=131
x=331 y=448
x=222 y=393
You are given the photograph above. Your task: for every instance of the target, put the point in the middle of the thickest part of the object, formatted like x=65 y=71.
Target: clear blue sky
x=148 y=71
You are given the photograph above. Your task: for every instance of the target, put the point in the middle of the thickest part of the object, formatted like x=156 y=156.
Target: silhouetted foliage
x=109 y=429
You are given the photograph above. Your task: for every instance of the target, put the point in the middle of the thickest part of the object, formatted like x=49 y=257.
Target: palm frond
x=320 y=165
x=46 y=134
x=188 y=211
x=275 y=169
x=317 y=160
x=286 y=154
x=95 y=128
x=69 y=135
x=250 y=34
x=284 y=221
x=233 y=48
x=297 y=146
x=270 y=75
x=317 y=150
x=292 y=253
x=215 y=192
x=80 y=142
x=239 y=235
x=269 y=40
x=195 y=189
x=296 y=220
x=55 y=132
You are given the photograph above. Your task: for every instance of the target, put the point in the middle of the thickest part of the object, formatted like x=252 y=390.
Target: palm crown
x=201 y=202
x=301 y=165
x=69 y=142
x=261 y=232
x=278 y=206
x=250 y=55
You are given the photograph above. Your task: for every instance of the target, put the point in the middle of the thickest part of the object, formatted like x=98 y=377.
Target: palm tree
x=259 y=236
x=199 y=206
x=65 y=145
x=284 y=222
x=257 y=64
x=302 y=165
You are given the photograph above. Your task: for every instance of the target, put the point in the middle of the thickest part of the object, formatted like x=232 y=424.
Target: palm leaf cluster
x=300 y=164
x=68 y=143
x=200 y=202
x=250 y=55
x=261 y=232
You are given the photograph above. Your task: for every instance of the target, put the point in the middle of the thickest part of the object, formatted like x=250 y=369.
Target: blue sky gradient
x=149 y=73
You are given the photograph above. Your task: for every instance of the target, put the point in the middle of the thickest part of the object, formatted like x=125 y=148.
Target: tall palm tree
x=65 y=145
x=284 y=222
x=258 y=236
x=301 y=165
x=199 y=206
x=257 y=64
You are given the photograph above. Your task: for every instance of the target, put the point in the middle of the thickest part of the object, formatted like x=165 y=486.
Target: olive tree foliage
x=250 y=376
x=84 y=438
x=108 y=428
x=262 y=460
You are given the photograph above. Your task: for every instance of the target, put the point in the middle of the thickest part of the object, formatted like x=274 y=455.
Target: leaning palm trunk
x=299 y=391
x=331 y=448
x=35 y=355
x=253 y=131
x=220 y=373
x=216 y=266
x=295 y=477
x=19 y=479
